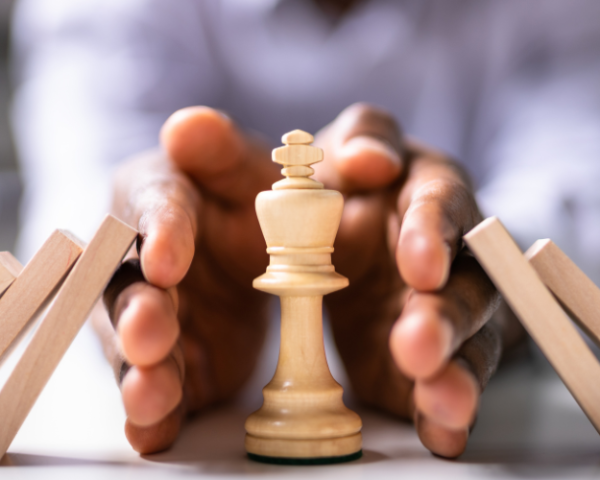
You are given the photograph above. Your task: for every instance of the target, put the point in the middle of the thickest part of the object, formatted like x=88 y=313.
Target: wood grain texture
x=572 y=287
x=297 y=137
x=58 y=328
x=303 y=414
x=36 y=282
x=10 y=268
x=539 y=312
x=297 y=155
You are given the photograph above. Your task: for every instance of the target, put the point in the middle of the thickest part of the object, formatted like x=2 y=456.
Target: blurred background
x=137 y=70
x=505 y=87
x=10 y=185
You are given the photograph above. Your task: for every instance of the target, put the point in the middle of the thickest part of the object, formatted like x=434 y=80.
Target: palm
x=363 y=314
x=223 y=319
x=202 y=237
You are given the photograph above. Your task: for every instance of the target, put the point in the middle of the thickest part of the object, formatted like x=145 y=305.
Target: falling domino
x=9 y=270
x=539 y=312
x=576 y=292
x=35 y=284
x=58 y=328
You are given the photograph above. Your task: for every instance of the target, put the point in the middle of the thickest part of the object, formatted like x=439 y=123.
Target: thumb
x=363 y=150
x=226 y=163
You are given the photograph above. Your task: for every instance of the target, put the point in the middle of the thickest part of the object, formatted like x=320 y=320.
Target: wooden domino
x=58 y=328
x=576 y=292
x=539 y=312
x=9 y=270
x=34 y=285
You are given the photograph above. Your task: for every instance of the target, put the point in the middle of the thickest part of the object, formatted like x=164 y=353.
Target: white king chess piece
x=303 y=418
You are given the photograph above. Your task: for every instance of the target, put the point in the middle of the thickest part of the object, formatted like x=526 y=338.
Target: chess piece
x=303 y=418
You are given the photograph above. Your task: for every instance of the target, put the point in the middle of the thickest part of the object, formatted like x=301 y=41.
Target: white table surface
x=529 y=427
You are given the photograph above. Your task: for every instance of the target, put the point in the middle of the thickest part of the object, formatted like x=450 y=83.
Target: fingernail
x=143 y=264
x=361 y=143
x=139 y=242
x=445 y=268
x=223 y=115
x=446 y=339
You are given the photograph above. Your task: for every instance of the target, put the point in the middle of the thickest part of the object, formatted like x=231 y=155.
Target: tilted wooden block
x=10 y=268
x=539 y=312
x=58 y=328
x=576 y=292
x=35 y=283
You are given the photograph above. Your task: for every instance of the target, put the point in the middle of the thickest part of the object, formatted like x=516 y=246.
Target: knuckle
x=363 y=111
x=366 y=119
x=481 y=354
x=453 y=200
x=116 y=293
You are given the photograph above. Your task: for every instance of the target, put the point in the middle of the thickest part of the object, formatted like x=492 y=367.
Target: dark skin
x=416 y=329
x=336 y=8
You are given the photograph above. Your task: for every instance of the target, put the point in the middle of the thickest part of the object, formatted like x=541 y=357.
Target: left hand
x=413 y=328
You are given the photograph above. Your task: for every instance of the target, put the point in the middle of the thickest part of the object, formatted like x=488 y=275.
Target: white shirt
x=511 y=88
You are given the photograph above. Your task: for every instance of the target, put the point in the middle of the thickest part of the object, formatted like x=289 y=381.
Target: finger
x=432 y=326
x=168 y=246
x=151 y=393
x=439 y=208
x=157 y=437
x=447 y=404
x=208 y=146
x=449 y=399
x=144 y=316
x=363 y=150
x=164 y=204
x=147 y=324
x=440 y=440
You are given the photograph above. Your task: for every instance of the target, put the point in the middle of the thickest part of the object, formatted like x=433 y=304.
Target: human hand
x=190 y=332
x=413 y=328
x=196 y=214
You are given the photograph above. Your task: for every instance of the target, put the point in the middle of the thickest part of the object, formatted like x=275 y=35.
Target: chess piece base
x=306 y=461
x=304 y=451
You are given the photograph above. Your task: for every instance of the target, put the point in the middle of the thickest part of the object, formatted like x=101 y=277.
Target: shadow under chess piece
x=303 y=419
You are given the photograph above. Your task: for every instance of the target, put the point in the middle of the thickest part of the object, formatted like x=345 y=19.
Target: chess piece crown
x=299 y=220
x=297 y=156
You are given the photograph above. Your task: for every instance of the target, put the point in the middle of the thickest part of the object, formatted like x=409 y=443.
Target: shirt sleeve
x=94 y=81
